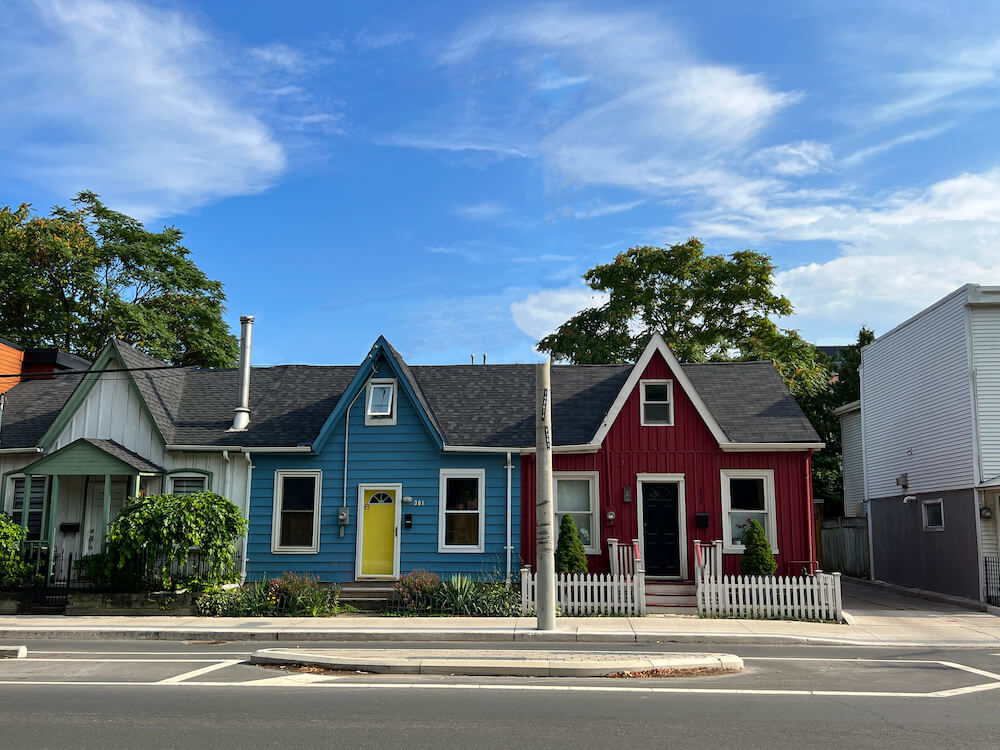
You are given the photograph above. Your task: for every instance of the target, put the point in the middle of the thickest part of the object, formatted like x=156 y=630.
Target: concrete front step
x=678 y=600
x=670 y=588
x=656 y=609
x=367 y=596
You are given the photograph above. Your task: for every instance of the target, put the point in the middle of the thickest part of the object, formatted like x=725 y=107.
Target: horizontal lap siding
x=391 y=454
x=686 y=448
x=11 y=362
x=917 y=405
x=986 y=358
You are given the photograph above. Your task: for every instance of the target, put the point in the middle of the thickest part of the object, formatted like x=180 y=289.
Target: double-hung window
x=461 y=514
x=297 y=499
x=36 y=505
x=576 y=495
x=656 y=403
x=187 y=484
x=380 y=403
x=747 y=495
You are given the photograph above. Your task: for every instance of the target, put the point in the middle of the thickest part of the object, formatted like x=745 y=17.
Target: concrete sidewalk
x=933 y=628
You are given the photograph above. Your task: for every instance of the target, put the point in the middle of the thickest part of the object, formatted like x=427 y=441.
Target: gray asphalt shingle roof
x=475 y=405
x=123 y=454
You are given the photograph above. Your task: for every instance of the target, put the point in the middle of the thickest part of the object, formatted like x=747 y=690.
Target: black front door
x=661 y=529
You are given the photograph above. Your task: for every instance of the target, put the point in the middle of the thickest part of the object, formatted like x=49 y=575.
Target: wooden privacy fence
x=815 y=597
x=845 y=546
x=589 y=593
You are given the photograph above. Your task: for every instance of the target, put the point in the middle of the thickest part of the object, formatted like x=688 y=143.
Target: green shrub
x=161 y=530
x=291 y=595
x=93 y=568
x=417 y=591
x=423 y=593
x=14 y=572
x=570 y=554
x=757 y=559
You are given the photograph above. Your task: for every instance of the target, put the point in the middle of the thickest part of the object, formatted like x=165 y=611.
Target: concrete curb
x=513 y=664
x=480 y=636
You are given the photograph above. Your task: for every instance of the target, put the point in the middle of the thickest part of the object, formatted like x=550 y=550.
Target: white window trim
x=371 y=419
x=923 y=513
x=446 y=474
x=642 y=402
x=769 y=507
x=188 y=475
x=276 y=548
x=594 y=548
x=678 y=479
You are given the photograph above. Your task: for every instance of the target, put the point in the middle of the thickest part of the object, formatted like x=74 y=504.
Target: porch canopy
x=86 y=457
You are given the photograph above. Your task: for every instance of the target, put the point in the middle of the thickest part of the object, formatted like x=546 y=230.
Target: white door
x=93 y=524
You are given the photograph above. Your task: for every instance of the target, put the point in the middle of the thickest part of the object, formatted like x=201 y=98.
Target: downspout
x=509 y=548
x=243 y=561
x=347 y=438
x=226 y=489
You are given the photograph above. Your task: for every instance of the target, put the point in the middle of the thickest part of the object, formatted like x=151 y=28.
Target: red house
x=682 y=452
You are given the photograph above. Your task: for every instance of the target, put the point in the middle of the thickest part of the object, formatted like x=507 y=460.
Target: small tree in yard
x=570 y=554
x=757 y=559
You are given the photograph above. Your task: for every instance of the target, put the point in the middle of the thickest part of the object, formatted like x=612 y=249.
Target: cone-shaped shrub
x=757 y=560
x=570 y=555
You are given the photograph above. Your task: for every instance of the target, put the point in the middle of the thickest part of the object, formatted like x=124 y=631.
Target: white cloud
x=794 y=159
x=541 y=313
x=456 y=142
x=366 y=41
x=483 y=210
x=280 y=56
x=653 y=113
x=595 y=210
x=129 y=101
x=864 y=154
x=555 y=81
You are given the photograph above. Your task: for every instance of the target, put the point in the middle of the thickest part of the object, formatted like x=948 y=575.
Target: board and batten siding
x=917 y=415
x=113 y=411
x=853 y=461
x=986 y=360
x=405 y=454
x=228 y=479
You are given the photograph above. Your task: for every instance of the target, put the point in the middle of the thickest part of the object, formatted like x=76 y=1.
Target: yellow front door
x=378 y=541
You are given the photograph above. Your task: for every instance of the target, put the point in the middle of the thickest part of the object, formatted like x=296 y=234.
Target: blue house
x=390 y=483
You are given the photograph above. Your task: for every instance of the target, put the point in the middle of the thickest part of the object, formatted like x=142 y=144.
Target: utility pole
x=545 y=554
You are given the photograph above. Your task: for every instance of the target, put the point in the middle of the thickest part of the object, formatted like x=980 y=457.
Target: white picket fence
x=624 y=558
x=589 y=593
x=816 y=597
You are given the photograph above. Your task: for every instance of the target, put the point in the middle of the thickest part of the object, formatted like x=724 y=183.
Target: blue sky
x=443 y=173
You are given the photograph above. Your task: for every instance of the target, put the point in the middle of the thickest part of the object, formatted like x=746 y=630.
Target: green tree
x=757 y=558
x=81 y=276
x=571 y=557
x=707 y=307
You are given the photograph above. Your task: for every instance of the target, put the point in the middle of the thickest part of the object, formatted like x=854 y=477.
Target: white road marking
x=196 y=672
x=149 y=653
x=132 y=661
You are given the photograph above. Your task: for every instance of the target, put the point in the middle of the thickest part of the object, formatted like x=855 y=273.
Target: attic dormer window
x=381 y=402
x=656 y=402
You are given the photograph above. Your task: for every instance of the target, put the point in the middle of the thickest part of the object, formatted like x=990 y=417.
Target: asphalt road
x=174 y=695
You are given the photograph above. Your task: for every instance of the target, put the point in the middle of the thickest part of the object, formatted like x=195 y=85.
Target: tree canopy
x=707 y=307
x=86 y=274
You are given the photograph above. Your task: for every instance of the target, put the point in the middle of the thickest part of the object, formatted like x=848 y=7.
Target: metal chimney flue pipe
x=241 y=415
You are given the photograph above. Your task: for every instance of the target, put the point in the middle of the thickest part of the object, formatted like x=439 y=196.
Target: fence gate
x=992 y=579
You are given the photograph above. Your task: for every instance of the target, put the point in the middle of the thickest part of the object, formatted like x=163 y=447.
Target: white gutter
x=509 y=548
x=11 y=451
x=243 y=561
x=770 y=447
x=239 y=448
